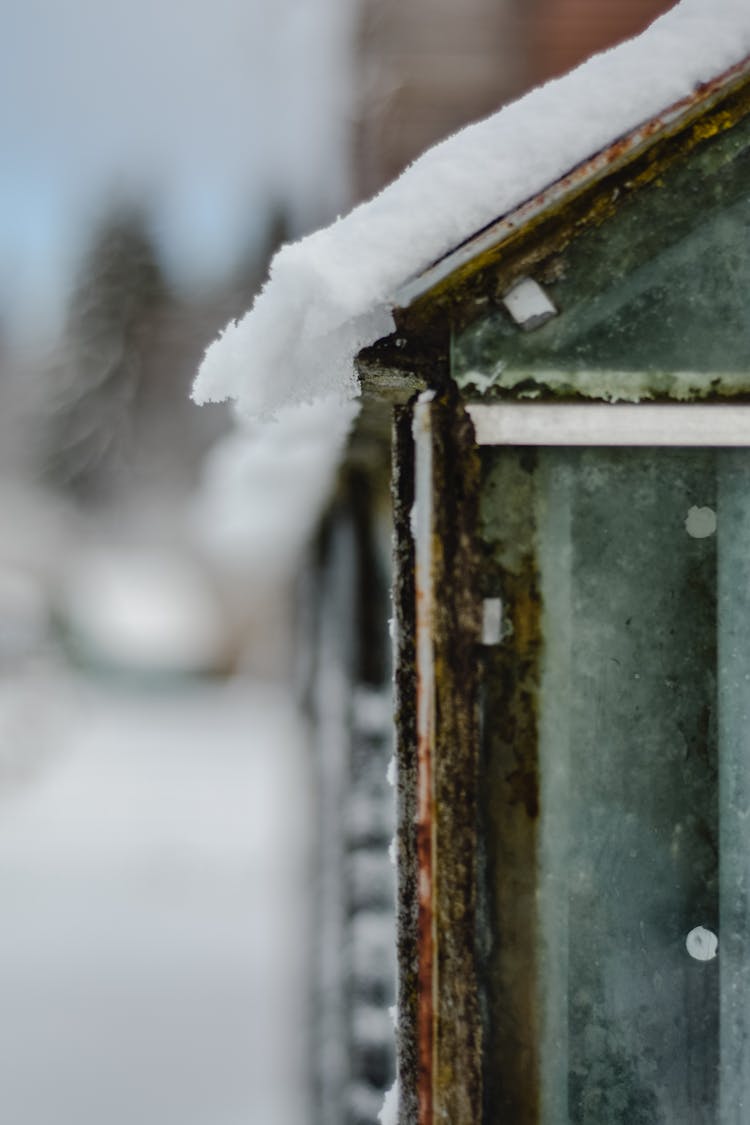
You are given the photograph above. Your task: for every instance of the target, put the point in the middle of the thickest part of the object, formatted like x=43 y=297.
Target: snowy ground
x=152 y=919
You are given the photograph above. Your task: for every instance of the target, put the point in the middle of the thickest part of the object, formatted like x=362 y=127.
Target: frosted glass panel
x=638 y=564
x=656 y=291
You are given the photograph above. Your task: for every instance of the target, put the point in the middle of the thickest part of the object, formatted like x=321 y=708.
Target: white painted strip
x=422 y=531
x=676 y=425
x=492 y=621
x=421 y=525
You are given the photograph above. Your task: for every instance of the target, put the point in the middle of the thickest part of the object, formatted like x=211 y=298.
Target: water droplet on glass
x=700 y=522
x=702 y=944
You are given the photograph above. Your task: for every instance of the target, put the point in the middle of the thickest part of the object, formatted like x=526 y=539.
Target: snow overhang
x=341 y=289
x=674 y=120
x=529 y=239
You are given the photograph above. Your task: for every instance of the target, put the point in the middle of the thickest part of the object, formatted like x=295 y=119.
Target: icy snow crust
x=330 y=294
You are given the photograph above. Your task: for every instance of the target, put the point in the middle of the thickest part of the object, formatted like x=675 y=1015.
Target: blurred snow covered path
x=152 y=915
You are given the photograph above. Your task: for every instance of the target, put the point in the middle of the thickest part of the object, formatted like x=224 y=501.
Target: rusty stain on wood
x=422 y=530
x=440 y=1057
x=426 y=969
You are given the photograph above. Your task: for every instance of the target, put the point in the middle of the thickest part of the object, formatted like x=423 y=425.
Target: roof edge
x=615 y=156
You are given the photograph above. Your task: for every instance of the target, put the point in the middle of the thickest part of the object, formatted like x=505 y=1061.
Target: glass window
x=616 y=784
x=651 y=300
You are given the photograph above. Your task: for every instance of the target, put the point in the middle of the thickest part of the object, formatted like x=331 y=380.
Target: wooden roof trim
x=621 y=152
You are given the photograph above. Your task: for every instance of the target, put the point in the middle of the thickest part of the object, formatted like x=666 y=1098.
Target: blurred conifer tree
x=118 y=299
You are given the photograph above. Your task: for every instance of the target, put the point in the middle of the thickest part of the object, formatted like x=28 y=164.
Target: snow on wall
x=328 y=295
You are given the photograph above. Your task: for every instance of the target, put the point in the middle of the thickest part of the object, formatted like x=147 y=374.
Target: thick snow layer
x=330 y=294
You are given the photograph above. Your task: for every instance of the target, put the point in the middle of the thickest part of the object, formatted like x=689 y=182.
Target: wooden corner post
x=438 y=619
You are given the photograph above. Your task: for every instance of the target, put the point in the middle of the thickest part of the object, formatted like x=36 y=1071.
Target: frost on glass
x=653 y=302
x=639 y=961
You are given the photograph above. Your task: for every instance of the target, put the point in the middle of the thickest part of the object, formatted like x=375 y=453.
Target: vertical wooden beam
x=457 y=630
x=404 y=602
x=443 y=1080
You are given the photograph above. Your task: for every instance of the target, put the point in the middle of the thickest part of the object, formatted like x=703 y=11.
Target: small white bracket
x=492 y=621
x=528 y=304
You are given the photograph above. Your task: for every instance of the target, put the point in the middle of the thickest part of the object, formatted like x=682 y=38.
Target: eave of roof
x=623 y=151
x=344 y=288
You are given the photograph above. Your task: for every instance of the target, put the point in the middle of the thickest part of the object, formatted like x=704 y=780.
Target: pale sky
x=214 y=110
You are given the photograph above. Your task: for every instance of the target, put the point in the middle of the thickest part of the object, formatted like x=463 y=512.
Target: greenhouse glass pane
x=653 y=301
x=633 y=777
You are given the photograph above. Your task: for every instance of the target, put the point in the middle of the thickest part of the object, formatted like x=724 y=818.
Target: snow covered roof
x=331 y=294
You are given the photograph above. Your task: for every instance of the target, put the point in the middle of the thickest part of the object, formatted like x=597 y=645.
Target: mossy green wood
x=652 y=302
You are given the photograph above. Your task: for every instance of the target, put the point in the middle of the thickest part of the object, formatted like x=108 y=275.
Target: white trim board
x=605 y=424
